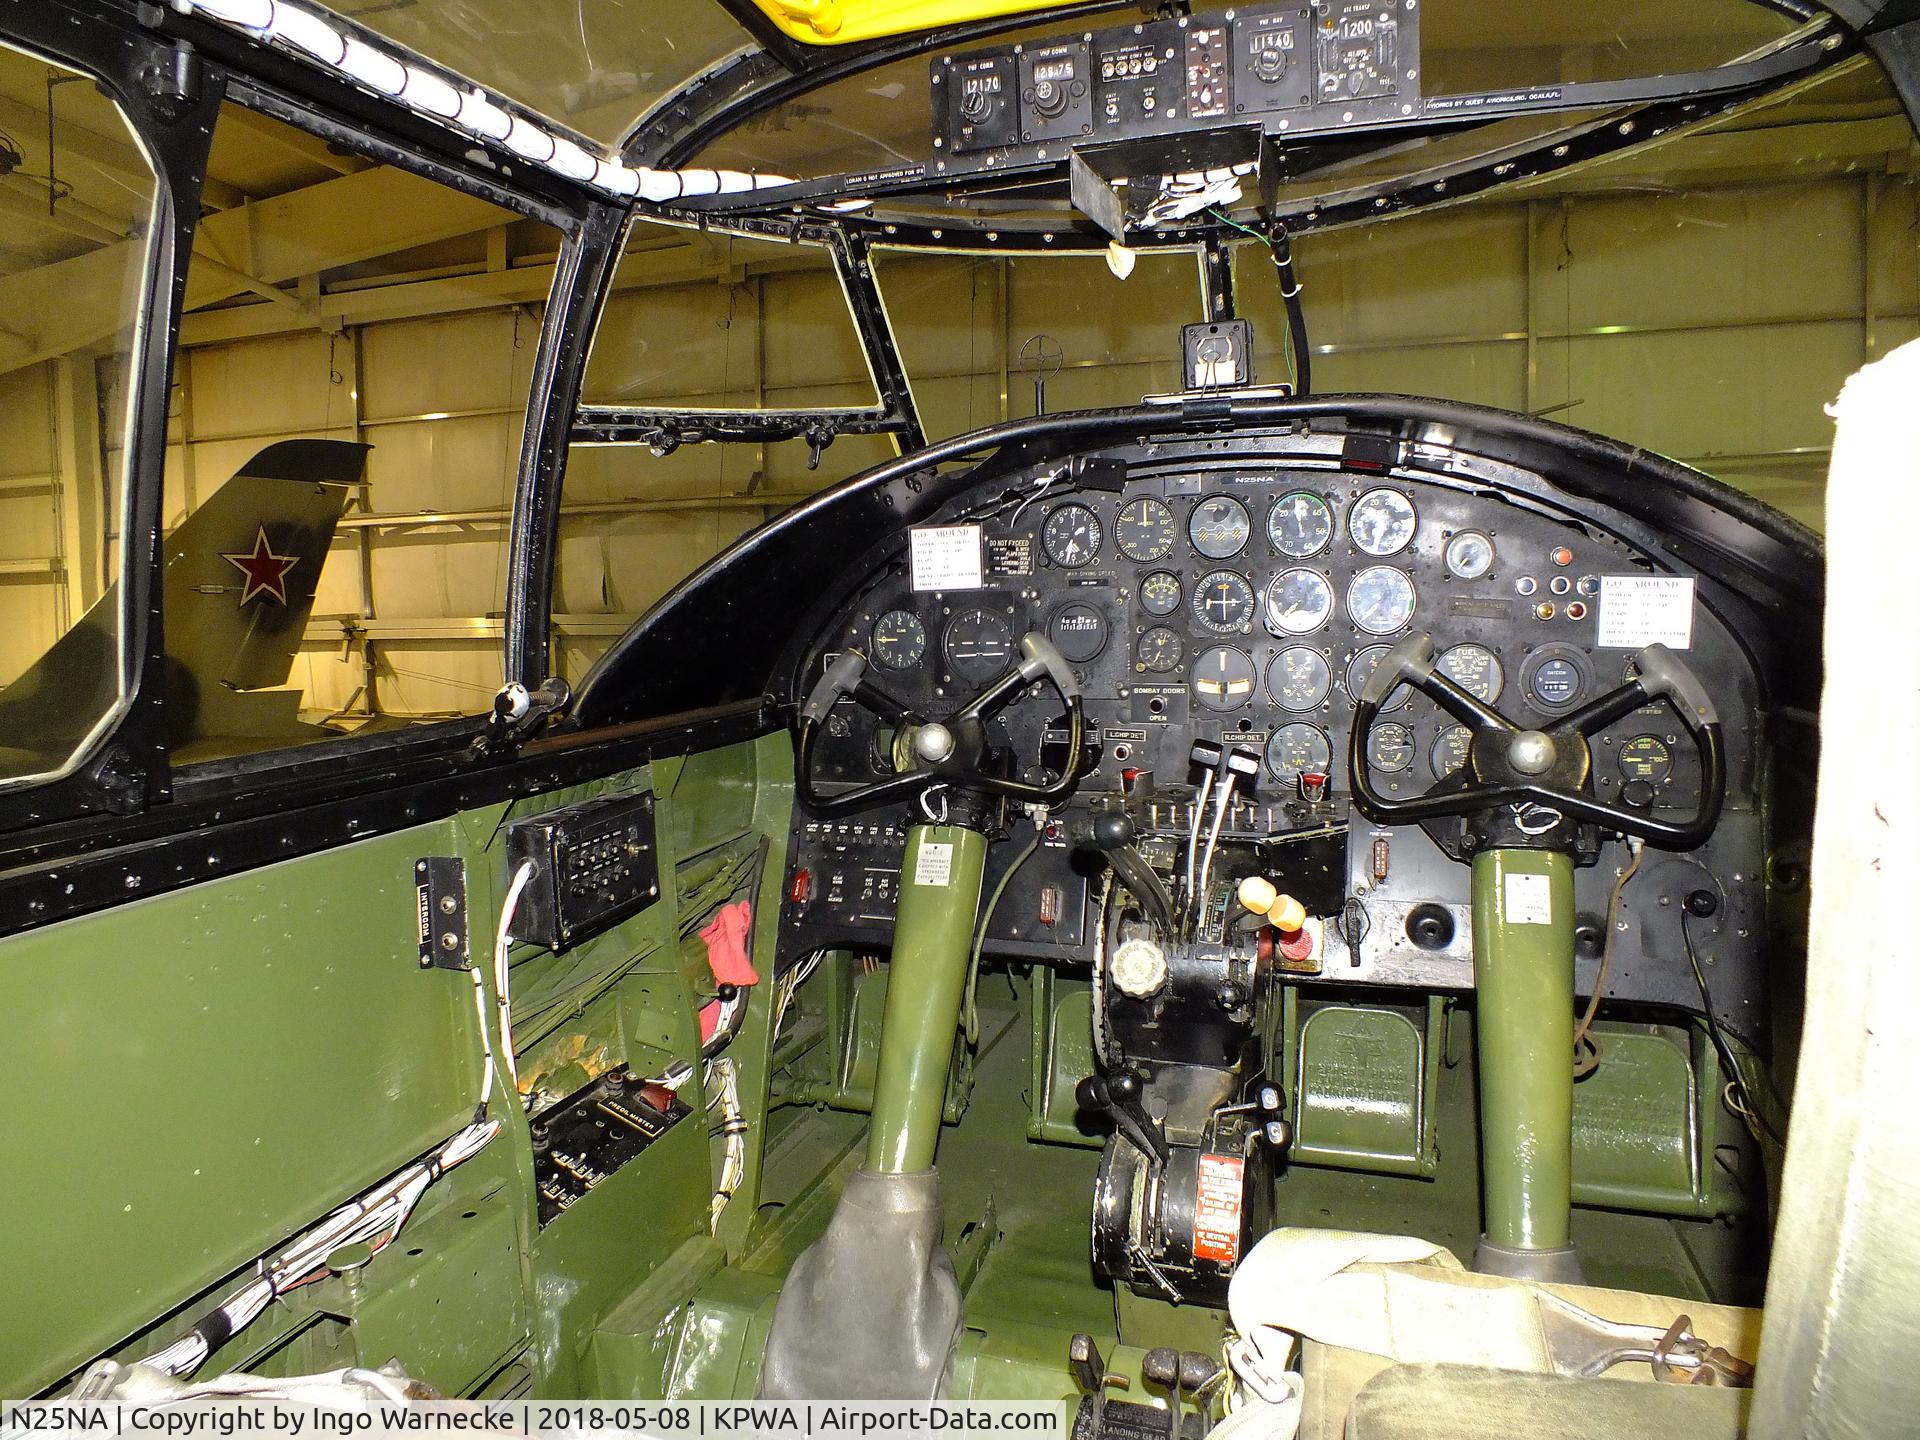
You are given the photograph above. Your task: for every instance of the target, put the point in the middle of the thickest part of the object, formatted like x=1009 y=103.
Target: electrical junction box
x=594 y=864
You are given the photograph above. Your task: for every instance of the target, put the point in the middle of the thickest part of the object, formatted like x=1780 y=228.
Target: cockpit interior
x=624 y=780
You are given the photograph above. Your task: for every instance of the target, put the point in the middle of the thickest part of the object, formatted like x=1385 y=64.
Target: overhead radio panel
x=1289 y=69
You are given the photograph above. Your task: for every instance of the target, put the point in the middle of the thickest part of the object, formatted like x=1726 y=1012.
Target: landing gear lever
x=1118 y=1095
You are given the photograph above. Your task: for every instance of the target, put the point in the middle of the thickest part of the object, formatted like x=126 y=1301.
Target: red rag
x=726 y=937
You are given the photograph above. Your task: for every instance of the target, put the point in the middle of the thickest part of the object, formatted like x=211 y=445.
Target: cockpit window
x=992 y=338
x=700 y=320
x=74 y=235
x=349 y=397
x=595 y=67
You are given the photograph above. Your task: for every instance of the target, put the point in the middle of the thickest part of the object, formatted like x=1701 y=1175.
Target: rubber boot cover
x=871 y=1310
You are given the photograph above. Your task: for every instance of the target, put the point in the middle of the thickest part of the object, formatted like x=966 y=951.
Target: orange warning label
x=1216 y=1209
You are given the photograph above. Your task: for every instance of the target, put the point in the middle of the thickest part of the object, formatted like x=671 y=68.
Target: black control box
x=1283 y=70
x=593 y=1132
x=594 y=864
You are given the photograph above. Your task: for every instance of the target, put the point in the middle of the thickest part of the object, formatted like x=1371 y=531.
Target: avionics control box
x=594 y=864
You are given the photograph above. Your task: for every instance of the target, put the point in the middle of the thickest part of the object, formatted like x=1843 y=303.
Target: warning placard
x=1216 y=1209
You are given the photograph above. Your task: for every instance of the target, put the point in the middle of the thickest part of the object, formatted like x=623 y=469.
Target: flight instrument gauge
x=1298 y=749
x=1469 y=555
x=1219 y=527
x=1475 y=669
x=1450 y=750
x=1223 y=678
x=978 y=644
x=899 y=640
x=1071 y=536
x=1298 y=601
x=1223 y=603
x=1381 y=522
x=1160 y=651
x=1646 y=757
x=1299 y=678
x=1145 y=529
x=1361 y=667
x=1160 y=593
x=1078 y=631
x=1299 y=524
x=1380 y=599
x=1390 y=748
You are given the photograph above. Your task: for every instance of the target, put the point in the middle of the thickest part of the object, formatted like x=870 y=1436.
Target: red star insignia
x=266 y=572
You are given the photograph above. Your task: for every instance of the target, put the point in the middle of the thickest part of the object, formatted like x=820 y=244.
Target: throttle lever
x=1118 y=1095
x=1112 y=833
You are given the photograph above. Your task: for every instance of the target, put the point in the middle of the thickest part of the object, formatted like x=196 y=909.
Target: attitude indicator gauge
x=1223 y=679
x=1144 y=530
x=1071 y=536
x=1223 y=603
x=1219 y=527
x=978 y=644
x=899 y=640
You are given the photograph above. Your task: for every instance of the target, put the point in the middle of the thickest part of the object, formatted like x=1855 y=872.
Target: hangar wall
x=1712 y=325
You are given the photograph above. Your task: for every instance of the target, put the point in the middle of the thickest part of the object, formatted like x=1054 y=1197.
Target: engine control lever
x=1118 y=1095
x=1112 y=833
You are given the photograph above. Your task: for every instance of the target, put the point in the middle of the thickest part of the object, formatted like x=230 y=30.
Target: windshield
x=596 y=66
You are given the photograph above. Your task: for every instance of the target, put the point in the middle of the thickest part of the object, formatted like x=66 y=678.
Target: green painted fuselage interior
x=213 y=1069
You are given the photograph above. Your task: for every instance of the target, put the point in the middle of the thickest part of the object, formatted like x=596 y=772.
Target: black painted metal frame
x=666 y=430
x=144 y=76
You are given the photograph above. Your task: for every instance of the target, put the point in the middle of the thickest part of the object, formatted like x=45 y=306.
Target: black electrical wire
x=1721 y=1044
x=1280 y=250
x=1280 y=244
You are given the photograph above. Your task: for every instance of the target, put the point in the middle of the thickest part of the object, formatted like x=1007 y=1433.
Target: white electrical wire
x=486 y=1044
x=450 y=98
x=372 y=1219
x=502 y=985
x=1223 y=802
x=1193 y=830
x=733 y=1126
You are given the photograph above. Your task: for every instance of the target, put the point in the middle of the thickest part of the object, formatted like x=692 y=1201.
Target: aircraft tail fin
x=240 y=575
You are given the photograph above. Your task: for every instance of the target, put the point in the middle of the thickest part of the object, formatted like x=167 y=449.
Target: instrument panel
x=1244 y=601
x=1249 y=606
